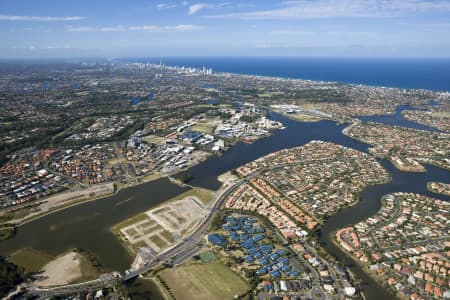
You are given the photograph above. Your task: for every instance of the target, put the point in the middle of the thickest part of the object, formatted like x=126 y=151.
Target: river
x=88 y=225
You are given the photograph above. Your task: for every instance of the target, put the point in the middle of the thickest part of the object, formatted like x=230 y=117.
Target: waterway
x=136 y=100
x=398 y=120
x=88 y=225
x=144 y=289
x=369 y=205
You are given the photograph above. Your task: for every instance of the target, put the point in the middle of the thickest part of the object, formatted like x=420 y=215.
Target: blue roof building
x=258 y=237
x=217 y=239
x=191 y=136
x=249 y=259
x=281 y=252
x=275 y=273
x=261 y=271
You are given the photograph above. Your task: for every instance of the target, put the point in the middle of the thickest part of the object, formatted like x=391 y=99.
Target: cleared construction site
x=160 y=228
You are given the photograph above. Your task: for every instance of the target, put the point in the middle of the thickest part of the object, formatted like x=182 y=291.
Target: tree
x=10 y=276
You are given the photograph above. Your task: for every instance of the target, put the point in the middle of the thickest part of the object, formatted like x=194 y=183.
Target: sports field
x=203 y=281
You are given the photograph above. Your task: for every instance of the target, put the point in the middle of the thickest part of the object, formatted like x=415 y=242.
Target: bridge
x=105 y=280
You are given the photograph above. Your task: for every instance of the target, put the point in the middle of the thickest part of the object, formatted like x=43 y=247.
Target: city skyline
x=372 y=28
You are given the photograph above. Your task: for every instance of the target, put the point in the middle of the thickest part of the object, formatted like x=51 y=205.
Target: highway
x=188 y=243
x=103 y=281
x=176 y=255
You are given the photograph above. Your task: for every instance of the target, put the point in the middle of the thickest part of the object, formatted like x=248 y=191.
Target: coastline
x=226 y=74
x=130 y=184
x=281 y=77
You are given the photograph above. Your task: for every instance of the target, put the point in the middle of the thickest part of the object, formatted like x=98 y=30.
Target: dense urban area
x=81 y=131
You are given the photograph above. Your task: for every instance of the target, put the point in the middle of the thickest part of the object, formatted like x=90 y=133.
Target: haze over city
x=211 y=150
x=369 y=28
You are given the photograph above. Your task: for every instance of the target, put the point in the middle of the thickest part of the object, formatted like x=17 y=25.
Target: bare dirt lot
x=62 y=270
x=161 y=227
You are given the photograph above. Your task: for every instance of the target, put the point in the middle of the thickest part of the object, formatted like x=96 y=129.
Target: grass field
x=152 y=176
x=207 y=257
x=304 y=118
x=205 y=128
x=203 y=281
x=30 y=260
x=6 y=233
x=15 y=214
x=154 y=139
x=137 y=218
x=203 y=195
x=90 y=268
x=167 y=235
x=269 y=94
x=83 y=93
x=441 y=114
x=160 y=243
x=116 y=161
x=6 y=217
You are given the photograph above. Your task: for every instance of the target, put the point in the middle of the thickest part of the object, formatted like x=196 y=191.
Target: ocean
x=432 y=74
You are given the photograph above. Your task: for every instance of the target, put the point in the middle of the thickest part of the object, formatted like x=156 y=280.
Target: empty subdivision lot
x=203 y=281
x=161 y=227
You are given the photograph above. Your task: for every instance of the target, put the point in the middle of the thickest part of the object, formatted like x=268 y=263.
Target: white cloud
x=59 y=47
x=154 y=28
x=306 y=9
x=80 y=28
x=118 y=28
x=188 y=28
x=38 y=18
x=195 y=8
x=122 y=28
x=163 y=6
x=282 y=32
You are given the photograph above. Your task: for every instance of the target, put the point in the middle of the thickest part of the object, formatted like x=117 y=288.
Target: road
x=103 y=281
x=189 y=242
x=178 y=253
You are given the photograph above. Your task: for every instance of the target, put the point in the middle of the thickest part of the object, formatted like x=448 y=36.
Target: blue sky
x=117 y=28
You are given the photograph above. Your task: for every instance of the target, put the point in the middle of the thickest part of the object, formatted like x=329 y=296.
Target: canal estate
x=87 y=225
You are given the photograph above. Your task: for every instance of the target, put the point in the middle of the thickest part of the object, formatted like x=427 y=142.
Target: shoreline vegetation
x=87 y=196
x=34 y=210
x=72 y=266
x=25 y=214
x=364 y=267
x=18 y=216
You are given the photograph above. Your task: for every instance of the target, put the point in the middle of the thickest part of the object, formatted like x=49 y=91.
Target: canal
x=88 y=225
